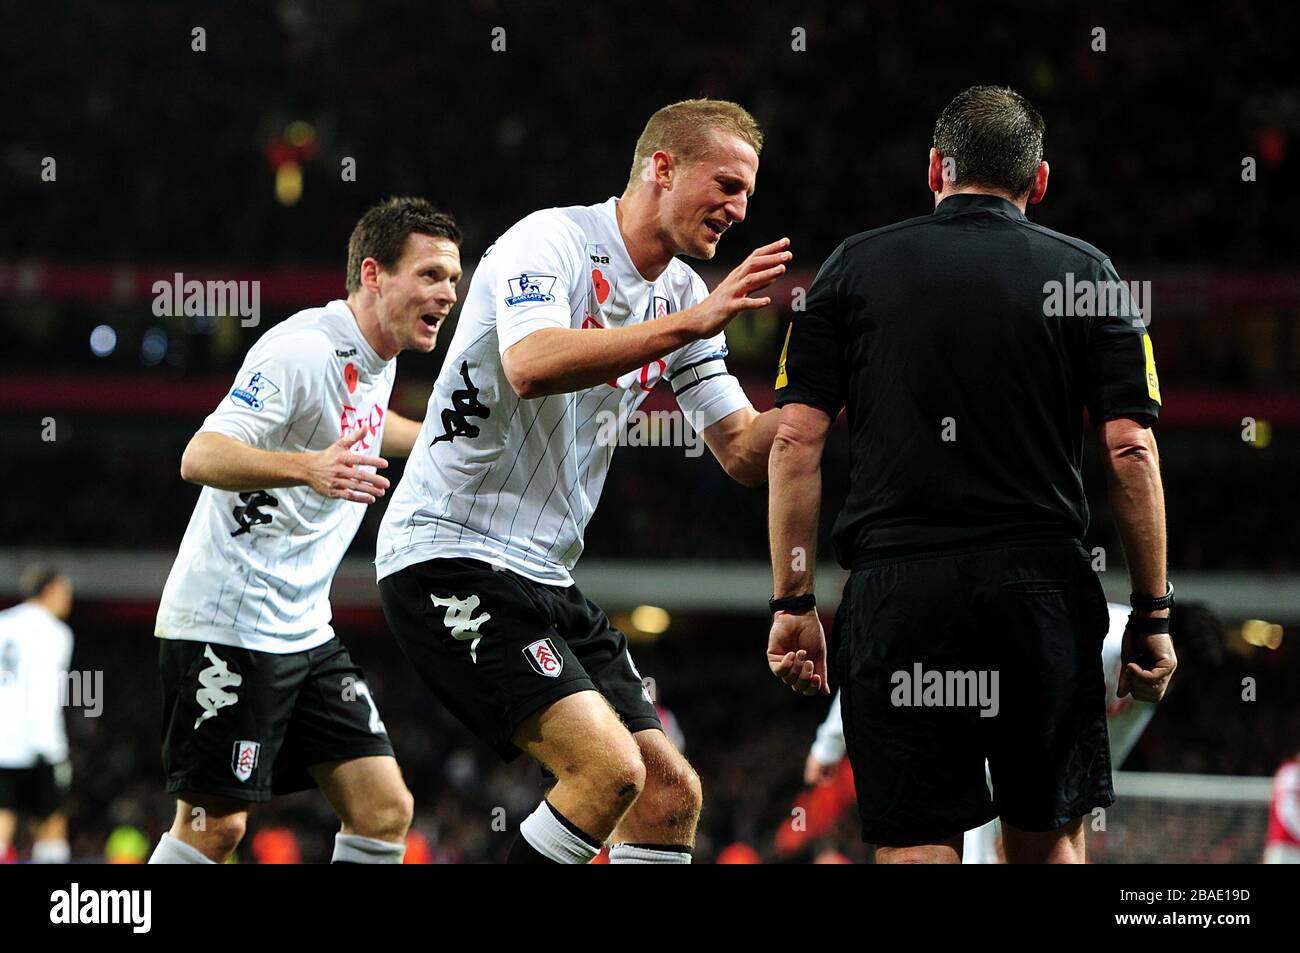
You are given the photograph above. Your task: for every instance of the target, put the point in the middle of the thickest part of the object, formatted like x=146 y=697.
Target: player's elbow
x=1128 y=443
x=192 y=468
x=521 y=374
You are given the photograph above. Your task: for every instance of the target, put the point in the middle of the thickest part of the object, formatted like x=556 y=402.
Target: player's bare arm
x=796 y=647
x=742 y=442
x=400 y=434
x=563 y=360
x=1137 y=499
x=224 y=463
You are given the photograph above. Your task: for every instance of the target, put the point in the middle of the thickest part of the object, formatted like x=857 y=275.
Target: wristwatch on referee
x=792 y=603
x=1145 y=603
x=1147 y=625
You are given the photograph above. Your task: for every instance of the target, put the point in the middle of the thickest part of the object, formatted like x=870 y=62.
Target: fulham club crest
x=244 y=761
x=544 y=659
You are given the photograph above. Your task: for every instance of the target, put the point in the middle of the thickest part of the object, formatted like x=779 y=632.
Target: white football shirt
x=514 y=482
x=254 y=569
x=35 y=652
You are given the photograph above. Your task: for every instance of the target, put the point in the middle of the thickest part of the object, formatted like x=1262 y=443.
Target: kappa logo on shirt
x=528 y=288
x=544 y=659
x=257 y=390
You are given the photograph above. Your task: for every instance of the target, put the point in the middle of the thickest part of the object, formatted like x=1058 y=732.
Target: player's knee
x=219 y=835
x=621 y=777
x=388 y=817
x=677 y=794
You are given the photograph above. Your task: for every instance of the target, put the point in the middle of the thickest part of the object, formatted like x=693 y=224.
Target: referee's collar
x=978 y=201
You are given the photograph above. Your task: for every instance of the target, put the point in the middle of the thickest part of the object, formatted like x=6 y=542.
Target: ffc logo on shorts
x=244 y=761
x=544 y=659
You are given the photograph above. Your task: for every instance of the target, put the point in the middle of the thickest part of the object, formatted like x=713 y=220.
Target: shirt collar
x=610 y=213
x=369 y=359
x=978 y=202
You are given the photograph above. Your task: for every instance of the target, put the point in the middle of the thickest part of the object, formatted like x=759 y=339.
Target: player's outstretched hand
x=762 y=267
x=816 y=773
x=796 y=652
x=336 y=471
x=1147 y=663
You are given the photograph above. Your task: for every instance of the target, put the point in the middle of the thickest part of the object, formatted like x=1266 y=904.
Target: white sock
x=173 y=851
x=50 y=852
x=638 y=854
x=355 y=849
x=553 y=839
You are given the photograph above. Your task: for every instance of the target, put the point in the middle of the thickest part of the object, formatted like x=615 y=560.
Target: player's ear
x=935 y=171
x=663 y=167
x=1039 y=188
x=370 y=268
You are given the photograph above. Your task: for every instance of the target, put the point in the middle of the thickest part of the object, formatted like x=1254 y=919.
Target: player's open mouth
x=431 y=321
x=716 y=227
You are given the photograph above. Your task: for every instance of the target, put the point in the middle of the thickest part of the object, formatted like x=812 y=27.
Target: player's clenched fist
x=796 y=652
x=762 y=267
x=336 y=471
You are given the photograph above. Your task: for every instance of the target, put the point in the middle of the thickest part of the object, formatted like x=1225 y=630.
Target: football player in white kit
x=572 y=316
x=1198 y=635
x=259 y=694
x=35 y=772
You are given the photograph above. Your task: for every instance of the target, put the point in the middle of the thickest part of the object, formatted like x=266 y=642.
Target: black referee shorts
x=945 y=661
x=495 y=647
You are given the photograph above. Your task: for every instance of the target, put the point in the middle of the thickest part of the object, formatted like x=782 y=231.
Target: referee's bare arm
x=1137 y=501
x=224 y=463
x=563 y=360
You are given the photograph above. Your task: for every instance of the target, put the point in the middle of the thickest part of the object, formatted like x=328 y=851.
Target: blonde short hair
x=680 y=130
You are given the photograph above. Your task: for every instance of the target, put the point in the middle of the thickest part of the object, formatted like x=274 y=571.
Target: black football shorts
x=495 y=647
x=944 y=661
x=244 y=724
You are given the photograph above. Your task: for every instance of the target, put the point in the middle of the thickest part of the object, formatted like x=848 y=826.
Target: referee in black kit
x=972 y=622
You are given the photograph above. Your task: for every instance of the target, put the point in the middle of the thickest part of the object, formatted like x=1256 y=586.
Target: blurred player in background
x=1282 y=845
x=574 y=314
x=35 y=654
x=259 y=694
x=1196 y=631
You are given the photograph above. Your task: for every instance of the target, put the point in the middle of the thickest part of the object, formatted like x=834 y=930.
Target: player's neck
x=368 y=324
x=649 y=248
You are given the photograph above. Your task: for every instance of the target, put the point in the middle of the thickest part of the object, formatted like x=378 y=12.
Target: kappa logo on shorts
x=544 y=659
x=215 y=679
x=244 y=761
x=460 y=620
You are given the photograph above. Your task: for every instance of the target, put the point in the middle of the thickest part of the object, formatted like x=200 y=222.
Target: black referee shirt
x=965 y=374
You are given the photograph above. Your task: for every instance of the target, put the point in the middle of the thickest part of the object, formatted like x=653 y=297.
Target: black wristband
x=1144 y=603
x=793 y=603
x=1149 y=625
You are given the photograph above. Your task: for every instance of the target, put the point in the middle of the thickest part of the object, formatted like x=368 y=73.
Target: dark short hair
x=382 y=232
x=36 y=579
x=994 y=136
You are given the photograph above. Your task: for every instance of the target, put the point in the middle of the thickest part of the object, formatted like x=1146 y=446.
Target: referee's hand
x=796 y=651
x=335 y=471
x=1147 y=662
x=732 y=296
